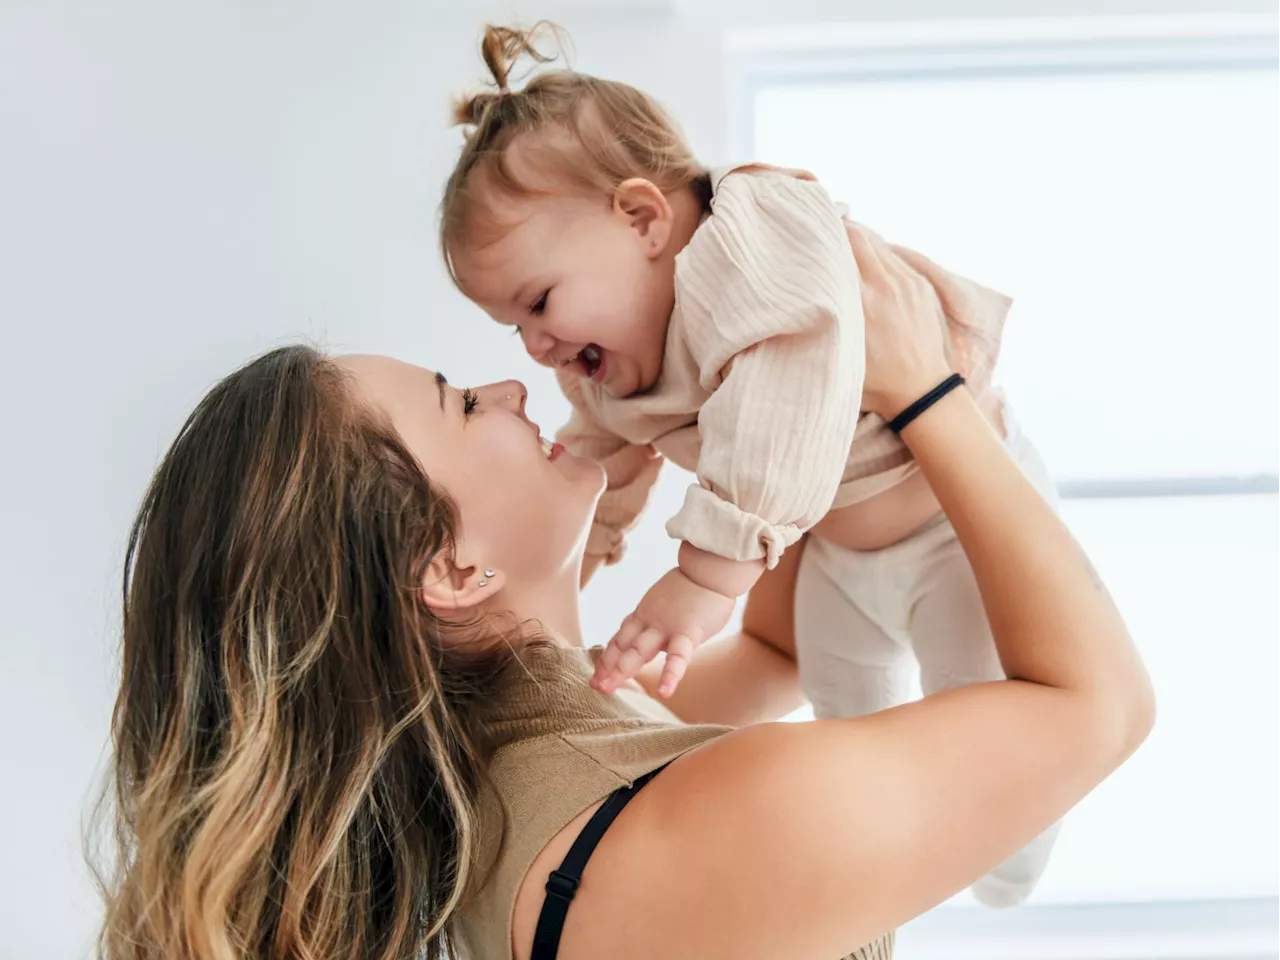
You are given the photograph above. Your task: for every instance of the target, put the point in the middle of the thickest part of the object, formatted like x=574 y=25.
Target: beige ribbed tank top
x=561 y=747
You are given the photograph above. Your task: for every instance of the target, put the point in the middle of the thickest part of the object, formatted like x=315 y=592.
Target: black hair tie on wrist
x=902 y=420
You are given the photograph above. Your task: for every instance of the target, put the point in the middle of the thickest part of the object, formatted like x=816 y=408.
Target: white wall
x=183 y=185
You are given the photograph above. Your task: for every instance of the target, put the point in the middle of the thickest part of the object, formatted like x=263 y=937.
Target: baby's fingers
x=679 y=653
x=646 y=646
x=607 y=663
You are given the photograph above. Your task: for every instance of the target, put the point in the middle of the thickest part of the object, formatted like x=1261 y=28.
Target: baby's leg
x=953 y=644
x=850 y=662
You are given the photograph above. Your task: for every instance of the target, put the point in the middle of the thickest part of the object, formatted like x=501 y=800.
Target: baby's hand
x=676 y=615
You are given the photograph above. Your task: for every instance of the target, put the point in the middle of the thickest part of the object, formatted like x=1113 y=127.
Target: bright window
x=1126 y=194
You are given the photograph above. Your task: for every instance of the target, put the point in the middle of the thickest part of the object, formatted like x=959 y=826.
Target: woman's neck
x=553 y=605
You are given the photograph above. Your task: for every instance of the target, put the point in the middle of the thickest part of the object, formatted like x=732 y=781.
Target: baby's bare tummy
x=892 y=516
x=882 y=521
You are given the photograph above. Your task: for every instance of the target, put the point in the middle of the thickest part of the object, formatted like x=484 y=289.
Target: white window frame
x=769 y=57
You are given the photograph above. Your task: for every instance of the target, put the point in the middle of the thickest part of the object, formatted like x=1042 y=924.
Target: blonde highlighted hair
x=563 y=132
x=299 y=746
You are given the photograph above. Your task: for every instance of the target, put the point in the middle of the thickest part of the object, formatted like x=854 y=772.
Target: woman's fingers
x=905 y=330
x=870 y=267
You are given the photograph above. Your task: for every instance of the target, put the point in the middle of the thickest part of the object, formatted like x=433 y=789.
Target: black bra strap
x=563 y=883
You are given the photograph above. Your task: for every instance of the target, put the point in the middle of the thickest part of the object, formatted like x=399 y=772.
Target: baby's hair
x=573 y=134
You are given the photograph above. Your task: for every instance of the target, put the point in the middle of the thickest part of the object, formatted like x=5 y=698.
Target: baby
x=714 y=318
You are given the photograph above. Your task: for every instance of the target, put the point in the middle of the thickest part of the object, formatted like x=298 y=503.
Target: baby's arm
x=774 y=317
x=749 y=677
x=630 y=472
x=730 y=578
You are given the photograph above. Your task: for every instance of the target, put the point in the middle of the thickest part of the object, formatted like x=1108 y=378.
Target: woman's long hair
x=297 y=758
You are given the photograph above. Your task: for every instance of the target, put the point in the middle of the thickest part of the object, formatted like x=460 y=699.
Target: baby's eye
x=539 y=306
x=470 y=400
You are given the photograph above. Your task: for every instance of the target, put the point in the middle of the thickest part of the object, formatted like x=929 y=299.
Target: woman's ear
x=449 y=586
x=647 y=212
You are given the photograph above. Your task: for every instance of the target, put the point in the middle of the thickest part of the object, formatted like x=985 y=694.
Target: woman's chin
x=586 y=484
x=581 y=470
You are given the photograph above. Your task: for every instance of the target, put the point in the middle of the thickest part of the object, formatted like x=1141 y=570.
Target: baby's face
x=583 y=286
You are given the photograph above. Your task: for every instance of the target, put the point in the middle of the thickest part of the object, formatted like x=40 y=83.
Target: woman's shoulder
x=545 y=779
x=760 y=816
x=562 y=749
x=553 y=731
x=674 y=871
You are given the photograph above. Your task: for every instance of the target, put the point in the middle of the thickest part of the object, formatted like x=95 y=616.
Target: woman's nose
x=511 y=394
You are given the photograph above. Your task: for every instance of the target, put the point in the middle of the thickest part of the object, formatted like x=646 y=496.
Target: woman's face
x=524 y=505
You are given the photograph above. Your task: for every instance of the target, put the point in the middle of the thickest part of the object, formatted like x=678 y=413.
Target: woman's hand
x=905 y=327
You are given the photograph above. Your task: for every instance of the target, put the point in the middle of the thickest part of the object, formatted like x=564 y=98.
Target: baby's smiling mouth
x=592 y=358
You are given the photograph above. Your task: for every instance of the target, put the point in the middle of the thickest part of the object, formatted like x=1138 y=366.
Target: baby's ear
x=646 y=210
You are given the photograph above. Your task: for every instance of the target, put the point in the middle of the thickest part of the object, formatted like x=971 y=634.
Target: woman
x=355 y=717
